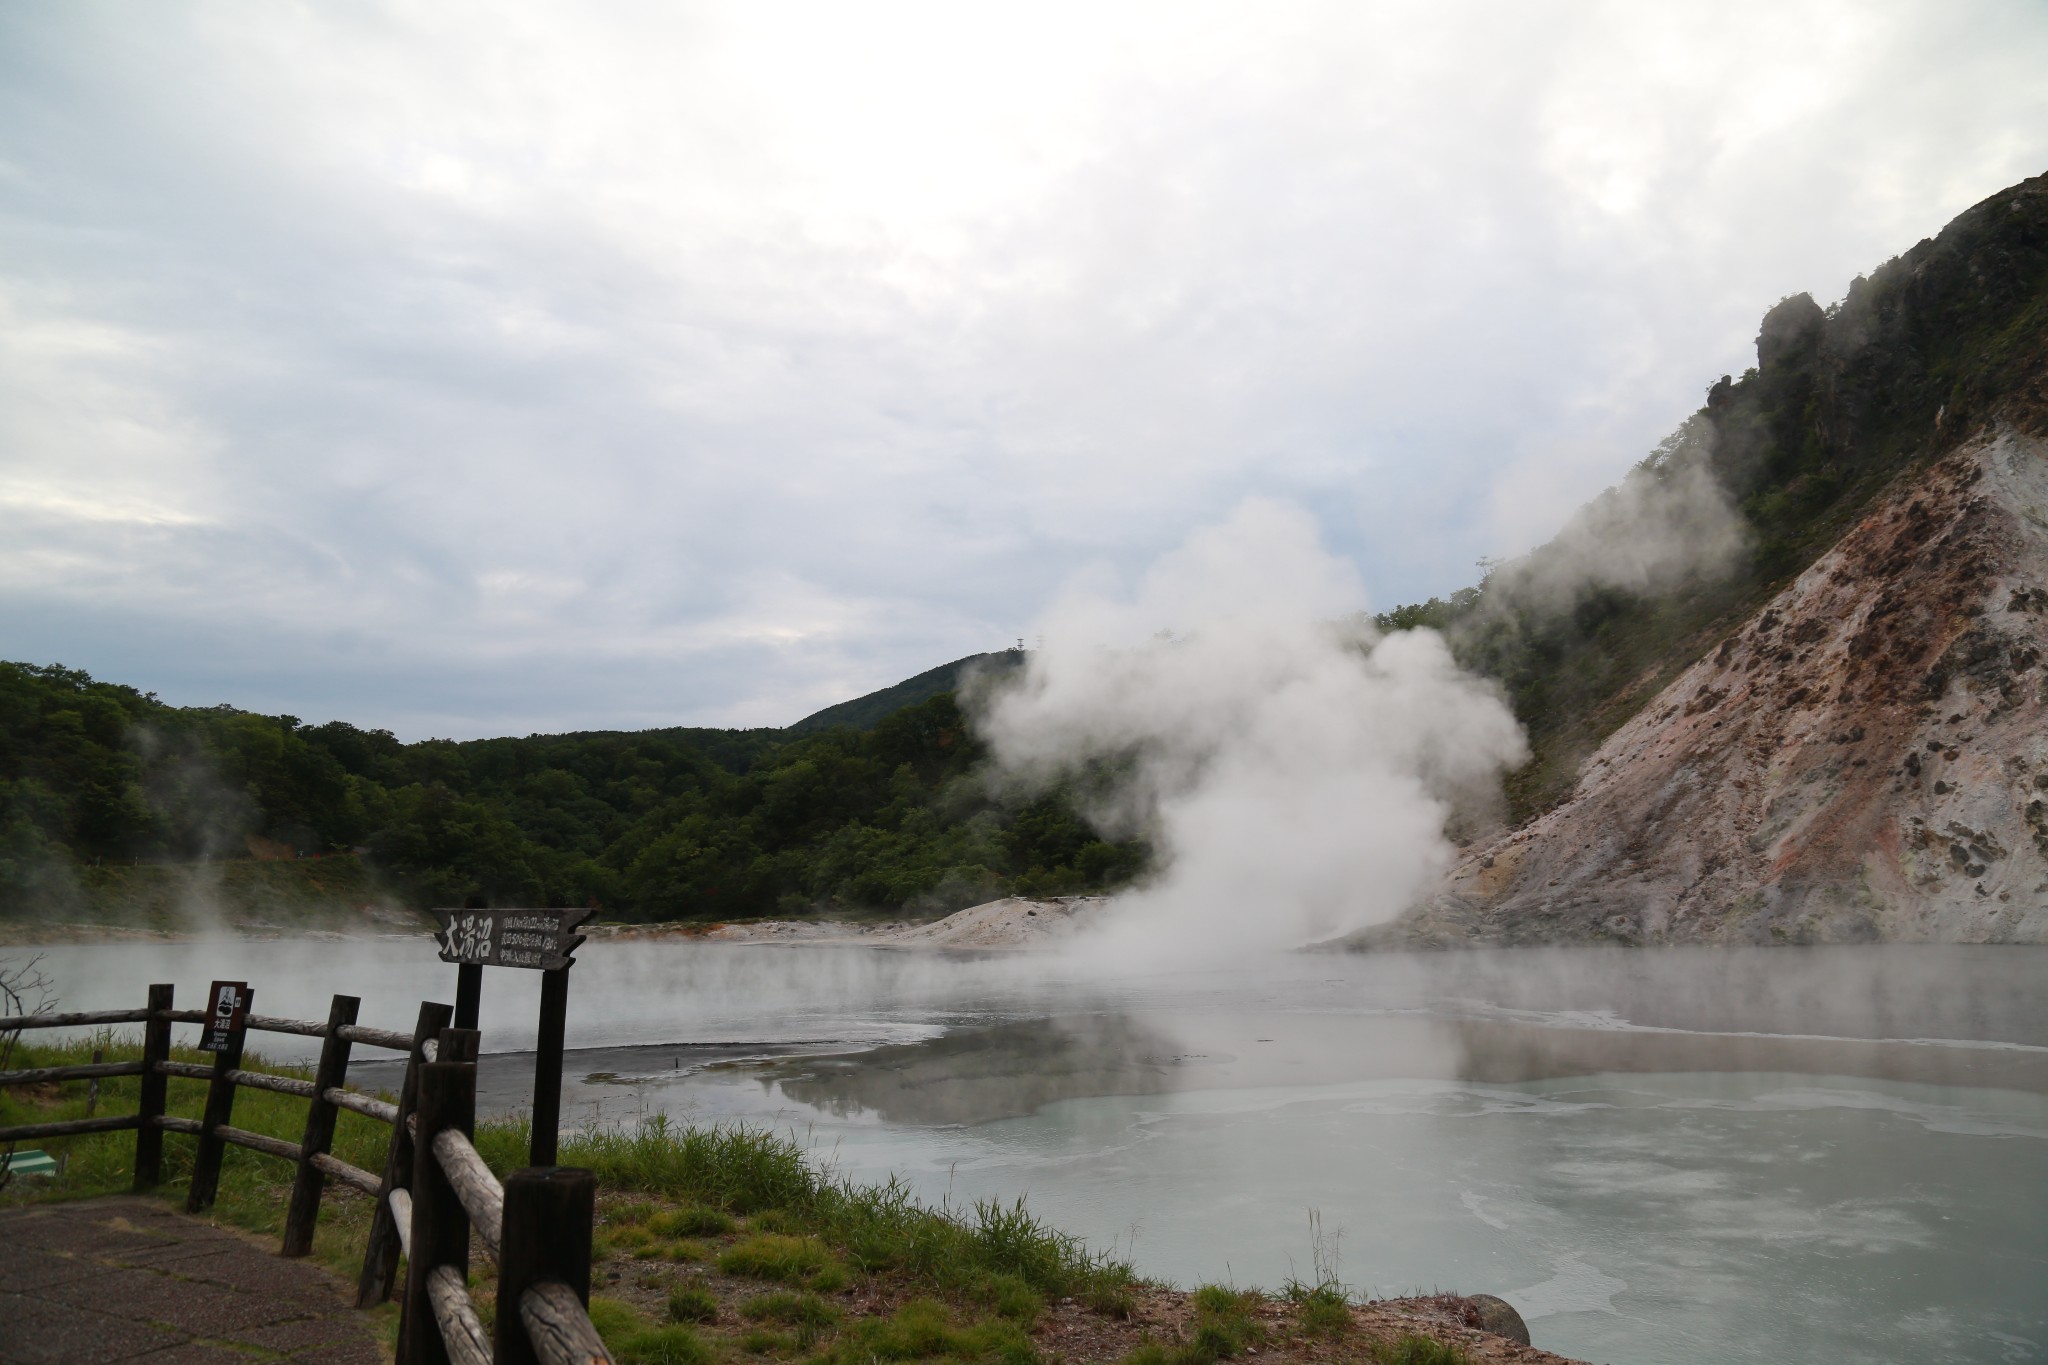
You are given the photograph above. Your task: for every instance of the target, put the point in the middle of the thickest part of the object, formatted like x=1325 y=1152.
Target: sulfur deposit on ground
x=1865 y=759
x=1011 y=923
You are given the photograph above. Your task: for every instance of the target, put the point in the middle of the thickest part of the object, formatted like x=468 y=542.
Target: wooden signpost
x=539 y=940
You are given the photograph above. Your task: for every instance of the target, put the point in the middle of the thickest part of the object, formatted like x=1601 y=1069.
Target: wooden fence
x=536 y=1226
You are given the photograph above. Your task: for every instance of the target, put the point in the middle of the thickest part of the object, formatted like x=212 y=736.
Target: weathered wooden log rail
x=536 y=1225
x=326 y=1094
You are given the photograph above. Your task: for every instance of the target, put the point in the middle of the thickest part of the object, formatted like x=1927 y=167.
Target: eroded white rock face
x=1865 y=759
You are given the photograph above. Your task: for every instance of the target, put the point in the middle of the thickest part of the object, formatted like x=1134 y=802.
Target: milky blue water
x=1688 y=1156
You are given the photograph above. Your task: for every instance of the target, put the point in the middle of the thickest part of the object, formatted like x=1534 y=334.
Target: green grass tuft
x=692 y=1220
x=692 y=1303
x=765 y=1341
x=671 y=1345
x=1224 y=1325
x=1417 y=1350
x=923 y=1330
x=787 y=1260
x=1321 y=1310
x=790 y=1310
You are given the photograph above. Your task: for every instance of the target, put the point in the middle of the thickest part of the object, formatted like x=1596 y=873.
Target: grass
x=692 y=1303
x=1323 y=1310
x=1417 y=1350
x=787 y=1260
x=925 y=1328
x=722 y=1243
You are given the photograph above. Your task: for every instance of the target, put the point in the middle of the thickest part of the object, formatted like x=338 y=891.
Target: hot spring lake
x=1677 y=1156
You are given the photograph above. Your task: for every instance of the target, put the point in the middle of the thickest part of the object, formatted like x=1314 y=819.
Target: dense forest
x=712 y=823
x=876 y=805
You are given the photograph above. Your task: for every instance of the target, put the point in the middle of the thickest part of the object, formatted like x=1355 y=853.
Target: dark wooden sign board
x=538 y=940
x=227 y=1011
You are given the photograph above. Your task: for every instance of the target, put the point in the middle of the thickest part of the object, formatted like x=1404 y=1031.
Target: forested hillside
x=864 y=713
x=681 y=822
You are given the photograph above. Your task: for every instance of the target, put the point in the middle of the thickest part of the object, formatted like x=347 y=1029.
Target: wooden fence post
x=549 y=1211
x=547 y=1068
x=380 y=1256
x=156 y=1048
x=220 y=1107
x=304 y=1212
x=440 y=1225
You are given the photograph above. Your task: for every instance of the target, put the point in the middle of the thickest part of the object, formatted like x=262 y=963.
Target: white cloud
x=561 y=336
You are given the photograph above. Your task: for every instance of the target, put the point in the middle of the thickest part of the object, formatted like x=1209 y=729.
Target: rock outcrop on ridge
x=1865 y=759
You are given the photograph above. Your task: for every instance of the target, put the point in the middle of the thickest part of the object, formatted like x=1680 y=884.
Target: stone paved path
x=132 y=1279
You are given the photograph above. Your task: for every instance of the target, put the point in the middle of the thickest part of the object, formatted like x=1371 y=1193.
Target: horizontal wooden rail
x=335 y=1168
x=369 y=1106
x=462 y=1331
x=83 y=1071
x=381 y=1037
x=559 y=1326
x=283 y=1085
x=262 y=1023
x=270 y=1023
x=69 y=1127
x=171 y=1123
x=257 y=1142
x=90 y=1017
x=483 y=1198
x=259 y=1080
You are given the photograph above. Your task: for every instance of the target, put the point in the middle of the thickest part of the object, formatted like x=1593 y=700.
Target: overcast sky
x=472 y=369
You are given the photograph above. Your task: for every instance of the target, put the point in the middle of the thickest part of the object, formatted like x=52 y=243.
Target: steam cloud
x=1293 y=768
x=1668 y=522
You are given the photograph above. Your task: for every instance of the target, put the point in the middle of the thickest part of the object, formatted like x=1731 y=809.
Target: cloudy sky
x=485 y=368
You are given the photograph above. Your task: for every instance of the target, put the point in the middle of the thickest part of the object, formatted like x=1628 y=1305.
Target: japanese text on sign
x=538 y=939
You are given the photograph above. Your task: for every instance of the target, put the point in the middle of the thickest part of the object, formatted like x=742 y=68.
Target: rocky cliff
x=1866 y=758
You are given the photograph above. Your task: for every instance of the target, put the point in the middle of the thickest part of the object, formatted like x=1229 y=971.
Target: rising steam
x=1669 y=522
x=1292 y=767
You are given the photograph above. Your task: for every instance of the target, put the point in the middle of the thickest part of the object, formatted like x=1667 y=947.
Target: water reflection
x=974 y=1075
x=1011 y=1069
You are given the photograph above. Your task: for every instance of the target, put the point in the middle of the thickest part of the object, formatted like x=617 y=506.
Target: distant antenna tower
x=1020 y=644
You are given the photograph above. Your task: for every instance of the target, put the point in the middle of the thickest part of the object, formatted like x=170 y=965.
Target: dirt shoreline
x=1013 y=923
